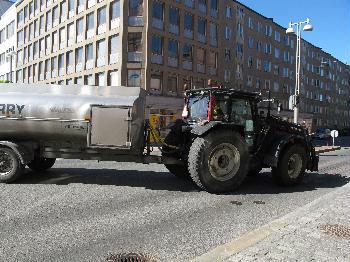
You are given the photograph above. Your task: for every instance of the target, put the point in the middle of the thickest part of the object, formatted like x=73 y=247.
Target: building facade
x=169 y=46
x=8 y=44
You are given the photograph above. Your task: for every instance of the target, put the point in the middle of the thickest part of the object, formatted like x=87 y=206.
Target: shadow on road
x=262 y=184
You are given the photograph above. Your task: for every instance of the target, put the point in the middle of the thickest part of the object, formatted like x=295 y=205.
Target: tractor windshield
x=198 y=107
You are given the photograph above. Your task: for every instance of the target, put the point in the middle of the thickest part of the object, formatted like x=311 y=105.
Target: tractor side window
x=241 y=114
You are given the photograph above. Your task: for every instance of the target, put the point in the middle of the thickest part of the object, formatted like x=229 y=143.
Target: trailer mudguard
x=273 y=154
x=24 y=154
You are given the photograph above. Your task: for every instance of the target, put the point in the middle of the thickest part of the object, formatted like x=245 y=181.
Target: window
x=90 y=80
x=20 y=17
x=115 y=9
x=54 y=64
x=71 y=6
x=228 y=33
x=267 y=66
x=212 y=59
x=81 y=4
x=101 y=16
x=55 y=42
x=134 y=78
x=157 y=45
x=31 y=9
x=136 y=7
x=188 y=25
x=61 y=61
x=187 y=52
x=250 y=42
x=113 y=78
x=55 y=15
x=48 y=44
x=70 y=58
x=157 y=10
x=62 y=36
x=172 y=84
x=101 y=52
x=213 y=34
x=227 y=54
x=173 y=48
x=71 y=35
x=156 y=81
x=250 y=62
x=229 y=12
x=268 y=48
x=174 y=18
x=90 y=22
x=114 y=48
x=135 y=42
x=277 y=36
x=78 y=57
x=63 y=11
x=48 y=20
x=89 y=52
x=80 y=27
x=214 y=4
x=286 y=56
x=201 y=26
x=268 y=30
x=10 y=29
x=42 y=24
x=47 y=68
x=250 y=23
x=36 y=28
x=277 y=53
x=2 y=36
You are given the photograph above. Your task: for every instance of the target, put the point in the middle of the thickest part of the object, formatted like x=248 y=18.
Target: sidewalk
x=324 y=149
x=319 y=231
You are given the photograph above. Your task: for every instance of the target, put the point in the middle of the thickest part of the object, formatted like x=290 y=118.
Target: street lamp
x=290 y=30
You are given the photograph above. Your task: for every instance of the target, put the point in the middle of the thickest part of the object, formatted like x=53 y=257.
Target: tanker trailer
x=39 y=123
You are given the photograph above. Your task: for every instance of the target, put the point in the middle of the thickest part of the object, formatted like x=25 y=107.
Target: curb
x=321 y=149
x=225 y=251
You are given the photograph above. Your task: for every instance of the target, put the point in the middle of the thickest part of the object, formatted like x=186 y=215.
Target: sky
x=330 y=19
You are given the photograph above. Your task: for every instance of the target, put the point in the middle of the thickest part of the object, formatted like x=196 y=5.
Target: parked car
x=322 y=133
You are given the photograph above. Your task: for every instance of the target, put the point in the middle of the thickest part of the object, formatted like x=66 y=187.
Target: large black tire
x=218 y=162
x=41 y=164
x=11 y=167
x=180 y=171
x=291 y=166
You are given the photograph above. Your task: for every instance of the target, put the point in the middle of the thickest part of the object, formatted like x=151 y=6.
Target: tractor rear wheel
x=218 y=162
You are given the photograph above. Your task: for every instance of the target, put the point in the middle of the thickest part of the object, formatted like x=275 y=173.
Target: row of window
x=62 y=11
x=7 y=32
x=74 y=60
x=81 y=28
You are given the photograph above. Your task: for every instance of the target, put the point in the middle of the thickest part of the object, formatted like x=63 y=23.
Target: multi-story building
x=168 y=46
x=8 y=44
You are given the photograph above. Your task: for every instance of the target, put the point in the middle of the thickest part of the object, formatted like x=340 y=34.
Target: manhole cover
x=237 y=203
x=259 y=202
x=130 y=257
x=336 y=230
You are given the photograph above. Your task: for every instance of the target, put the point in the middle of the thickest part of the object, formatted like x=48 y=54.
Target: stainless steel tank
x=96 y=116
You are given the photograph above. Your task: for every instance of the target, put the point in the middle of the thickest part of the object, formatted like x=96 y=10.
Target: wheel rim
x=224 y=162
x=6 y=163
x=294 y=165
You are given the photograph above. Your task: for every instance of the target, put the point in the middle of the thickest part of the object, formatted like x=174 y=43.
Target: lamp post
x=290 y=30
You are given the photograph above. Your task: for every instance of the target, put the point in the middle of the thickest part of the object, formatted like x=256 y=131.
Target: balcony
x=201 y=68
x=91 y=3
x=188 y=33
x=173 y=61
x=134 y=56
x=157 y=23
x=70 y=69
x=80 y=38
x=212 y=70
x=81 y=8
x=214 y=13
x=89 y=64
x=113 y=58
x=115 y=23
x=187 y=64
x=101 y=29
x=90 y=33
x=157 y=59
x=202 y=8
x=136 y=21
x=100 y=61
x=202 y=38
x=174 y=29
x=189 y=3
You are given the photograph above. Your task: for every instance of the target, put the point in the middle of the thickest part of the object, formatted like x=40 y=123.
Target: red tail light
x=212 y=104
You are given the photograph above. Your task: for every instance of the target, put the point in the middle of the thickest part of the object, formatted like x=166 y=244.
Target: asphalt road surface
x=85 y=210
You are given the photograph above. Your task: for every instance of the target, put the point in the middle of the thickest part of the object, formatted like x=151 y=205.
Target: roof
x=4 y=5
x=224 y=91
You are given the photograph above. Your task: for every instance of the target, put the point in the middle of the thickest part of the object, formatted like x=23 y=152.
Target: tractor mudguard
x=200 y=130
x=272 y=155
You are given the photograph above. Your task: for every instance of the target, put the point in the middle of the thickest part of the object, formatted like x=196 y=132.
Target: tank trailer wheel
x=218 y=162
x=291 y=166
x=41 y=164
x=11 y=167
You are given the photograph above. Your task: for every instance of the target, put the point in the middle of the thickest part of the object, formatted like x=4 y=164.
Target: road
x=84 y=210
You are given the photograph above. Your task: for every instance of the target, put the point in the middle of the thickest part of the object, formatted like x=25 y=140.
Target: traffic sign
x=334 y=133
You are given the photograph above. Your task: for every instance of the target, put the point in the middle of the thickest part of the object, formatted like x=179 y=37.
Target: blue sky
x=331 y=21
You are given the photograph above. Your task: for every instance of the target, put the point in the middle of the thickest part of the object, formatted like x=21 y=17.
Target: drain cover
x=237 y=203
x=259 y=202
x=130 y=257
x=336 y=230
